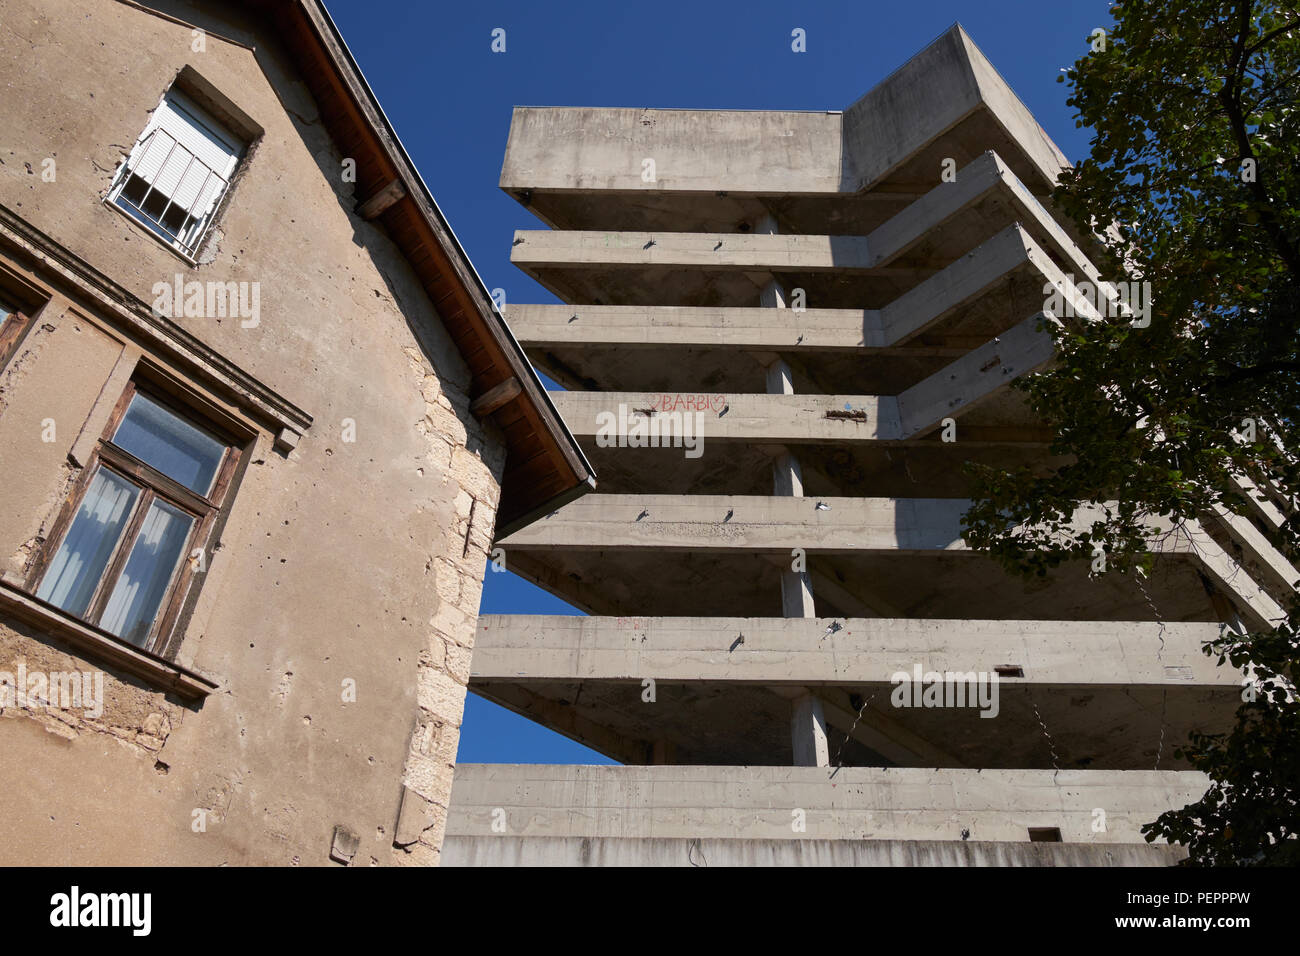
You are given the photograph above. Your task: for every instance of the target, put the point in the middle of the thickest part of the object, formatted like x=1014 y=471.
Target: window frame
x=13 y=329
x=182 y=102
x=208 y=511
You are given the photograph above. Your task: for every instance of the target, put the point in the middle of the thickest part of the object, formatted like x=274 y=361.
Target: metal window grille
x=177 y=174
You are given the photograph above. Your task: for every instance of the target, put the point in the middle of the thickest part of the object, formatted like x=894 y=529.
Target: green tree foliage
x=1193 y=185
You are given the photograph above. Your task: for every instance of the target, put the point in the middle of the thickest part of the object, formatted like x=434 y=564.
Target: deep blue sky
x=449 y=97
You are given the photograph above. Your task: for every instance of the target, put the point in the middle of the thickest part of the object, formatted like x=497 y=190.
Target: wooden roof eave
x=545 y=466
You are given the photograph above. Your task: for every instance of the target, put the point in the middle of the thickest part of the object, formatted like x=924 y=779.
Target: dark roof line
x=479 y=293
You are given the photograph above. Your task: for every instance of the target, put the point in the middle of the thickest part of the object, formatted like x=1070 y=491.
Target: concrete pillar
x=787 y=479
x=1226 y=611
x=797 y=595
x=808 y=722
x=787 y=476
x=808 y=733
x=772 y=296
x=780 y=380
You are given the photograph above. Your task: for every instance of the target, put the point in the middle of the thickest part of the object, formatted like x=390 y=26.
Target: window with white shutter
x=177 y=173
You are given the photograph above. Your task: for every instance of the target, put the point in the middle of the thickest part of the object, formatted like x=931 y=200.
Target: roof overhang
x=545 y=468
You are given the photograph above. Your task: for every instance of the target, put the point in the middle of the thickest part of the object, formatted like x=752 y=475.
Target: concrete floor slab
x=1104 y=695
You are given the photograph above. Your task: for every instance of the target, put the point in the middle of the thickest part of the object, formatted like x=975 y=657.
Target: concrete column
x=808 y=733
x=772 y=296
x=787 y=476
x=787 y=479
x=780 y=380
x=808 y=722
x=796 y=595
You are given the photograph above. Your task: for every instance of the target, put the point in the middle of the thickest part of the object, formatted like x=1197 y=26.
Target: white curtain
x=138 y=594
x=84 y=554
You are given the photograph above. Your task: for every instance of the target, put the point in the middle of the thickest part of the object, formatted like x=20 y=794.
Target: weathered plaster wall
x=343 y=560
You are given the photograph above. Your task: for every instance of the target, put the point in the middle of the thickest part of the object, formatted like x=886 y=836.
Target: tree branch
x=1230 y=97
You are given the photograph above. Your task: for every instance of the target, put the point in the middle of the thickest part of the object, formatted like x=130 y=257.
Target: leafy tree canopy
x=1192 y=185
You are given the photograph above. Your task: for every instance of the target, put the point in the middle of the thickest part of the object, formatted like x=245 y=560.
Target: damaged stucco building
x=834 y=304
x=259 y=424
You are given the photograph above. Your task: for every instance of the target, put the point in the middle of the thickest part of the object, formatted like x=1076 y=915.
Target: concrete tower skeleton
x=840 y=301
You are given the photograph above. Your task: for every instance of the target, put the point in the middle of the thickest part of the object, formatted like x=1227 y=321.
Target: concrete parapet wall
x=615 y=851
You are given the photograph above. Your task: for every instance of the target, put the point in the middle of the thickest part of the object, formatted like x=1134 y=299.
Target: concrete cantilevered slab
x=830 y=651
x=842 y=533
x=836 y=271
x=583 y=168
x=680 y=348
x=856 y=803
x=1109 y=693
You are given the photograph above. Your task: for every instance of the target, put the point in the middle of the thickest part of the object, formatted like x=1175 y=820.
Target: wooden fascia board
x=490 y=329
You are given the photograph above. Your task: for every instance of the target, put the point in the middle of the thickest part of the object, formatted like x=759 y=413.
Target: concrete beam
x=751 y=523
x=762 y=803
x=745 y=417
x=1256 y=605
x=559 y=249
x=1265 y=508
x=980 y=274
x=844 y=652
x=977 y=375
x=939 y=213
x=1266 y=562
x=983 y=276
x=827 y=526
x=778 y=419
x=783 y=417
x=596 y=150
x=943 y=97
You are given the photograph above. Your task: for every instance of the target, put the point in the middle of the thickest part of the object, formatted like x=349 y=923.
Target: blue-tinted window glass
x=159 y=437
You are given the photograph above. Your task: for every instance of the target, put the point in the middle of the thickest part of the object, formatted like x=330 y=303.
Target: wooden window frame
x=208 y=511
x=13 y=329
